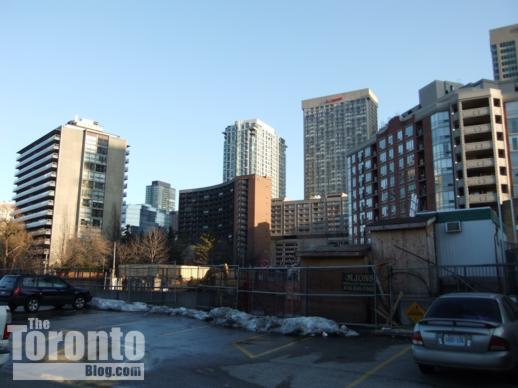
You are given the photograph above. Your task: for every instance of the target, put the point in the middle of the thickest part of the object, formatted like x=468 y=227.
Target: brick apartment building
x=236 y=213
x=450 y=151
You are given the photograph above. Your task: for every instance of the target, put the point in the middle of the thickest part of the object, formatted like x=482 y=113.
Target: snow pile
x=313 y=326
x=118 y=305
x=226 y=316
x=229 y=317
x=191 y=313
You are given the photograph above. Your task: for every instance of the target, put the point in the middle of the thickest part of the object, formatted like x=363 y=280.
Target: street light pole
x=113 y=262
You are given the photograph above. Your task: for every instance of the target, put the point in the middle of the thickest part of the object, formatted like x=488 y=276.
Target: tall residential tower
x=70 y=180
x=333 y=126
x=161 y=196
x=253 y=147
x=504 y=52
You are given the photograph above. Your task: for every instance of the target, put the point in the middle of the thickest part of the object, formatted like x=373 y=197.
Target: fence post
x=375 y=281
x=237 y=287
x=306 y=270
x=391 y=313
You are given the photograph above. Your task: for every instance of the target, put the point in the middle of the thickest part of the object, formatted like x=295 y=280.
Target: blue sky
x=170 y=76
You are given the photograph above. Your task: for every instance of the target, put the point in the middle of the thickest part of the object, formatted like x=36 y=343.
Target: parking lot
x=183 y=352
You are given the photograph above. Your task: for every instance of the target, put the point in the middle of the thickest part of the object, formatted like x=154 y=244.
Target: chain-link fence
x=360 y=294
x=344 y=293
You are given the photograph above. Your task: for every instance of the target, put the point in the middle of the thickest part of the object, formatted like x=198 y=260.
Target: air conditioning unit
x=453 y=227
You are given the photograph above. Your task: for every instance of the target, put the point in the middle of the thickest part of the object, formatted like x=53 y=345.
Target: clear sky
x=170 y=76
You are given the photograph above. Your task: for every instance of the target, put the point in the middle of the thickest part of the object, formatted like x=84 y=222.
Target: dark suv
x=33 y=291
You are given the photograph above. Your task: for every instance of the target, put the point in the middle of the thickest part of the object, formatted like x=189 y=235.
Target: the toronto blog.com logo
x=40 y=353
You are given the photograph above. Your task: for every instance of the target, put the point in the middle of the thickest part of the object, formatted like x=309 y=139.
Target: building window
x=410 y=145
x=382 y=143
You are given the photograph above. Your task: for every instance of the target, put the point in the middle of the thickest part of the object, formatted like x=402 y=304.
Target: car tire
x=79 y=302
x=12 y=307
x=426 y=369
x=32 y=305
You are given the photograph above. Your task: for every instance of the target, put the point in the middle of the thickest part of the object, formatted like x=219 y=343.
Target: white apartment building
x=72 y=178
x=253 y=147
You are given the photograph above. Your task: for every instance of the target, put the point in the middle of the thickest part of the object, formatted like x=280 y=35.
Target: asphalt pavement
x=182 y=352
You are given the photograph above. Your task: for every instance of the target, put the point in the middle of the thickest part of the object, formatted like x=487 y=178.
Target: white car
x=5 y=319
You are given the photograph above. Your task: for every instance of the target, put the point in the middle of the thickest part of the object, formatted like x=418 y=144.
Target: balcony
x=482 y=180
x=480 y=163
x=468 y=113
x=38 y=224
x=36 y=172
x=35 y=206
x=38 y=145
x=35 y=189
x=32 y=216
x=478 y=146
x=38 y=179
x=475 y=199
x=46 y=194
x=52 y=148
x=40 y=232
x=47 y=159
x=477 y=129
x=42 y=241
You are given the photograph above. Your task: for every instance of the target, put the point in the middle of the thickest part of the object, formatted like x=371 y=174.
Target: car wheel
x=79 y=302
x=426 y=369
x=12 y=307
x=32 y=305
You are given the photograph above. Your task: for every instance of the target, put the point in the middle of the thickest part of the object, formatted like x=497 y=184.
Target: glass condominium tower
x=161 y=196
x=333 y=126
x=253 y=147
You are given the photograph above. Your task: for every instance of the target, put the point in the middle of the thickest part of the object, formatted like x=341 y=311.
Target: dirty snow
x=229 y=317
x=118 y=305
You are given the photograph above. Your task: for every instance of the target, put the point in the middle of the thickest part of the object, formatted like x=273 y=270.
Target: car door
x=64 y=293
x=29 y=285
x=48 y=294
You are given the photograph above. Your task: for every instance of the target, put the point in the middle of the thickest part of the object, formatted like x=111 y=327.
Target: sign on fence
x=358 y=282
x=415 y=312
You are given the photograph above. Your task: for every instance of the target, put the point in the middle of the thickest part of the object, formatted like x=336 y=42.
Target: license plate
x=454 y=340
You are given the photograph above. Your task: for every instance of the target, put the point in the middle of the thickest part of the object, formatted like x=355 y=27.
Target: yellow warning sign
x=415 y=312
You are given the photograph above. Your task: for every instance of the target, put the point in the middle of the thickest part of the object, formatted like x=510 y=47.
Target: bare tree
x=128 y=252
x=90 y=251
x=153 y=247
x=15 y=242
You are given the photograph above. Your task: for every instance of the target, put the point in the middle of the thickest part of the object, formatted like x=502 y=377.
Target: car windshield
x=477 y=309
x=8 y=282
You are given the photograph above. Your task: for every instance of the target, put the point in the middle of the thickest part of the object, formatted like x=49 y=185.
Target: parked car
x=5 y=319
x=33 y=291
x=468 y=330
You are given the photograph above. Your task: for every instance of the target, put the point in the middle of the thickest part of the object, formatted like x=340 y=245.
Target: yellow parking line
x=243 y=350
x=281 y=347
x=273 y=350
x=184 y=330
x=370 y=372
